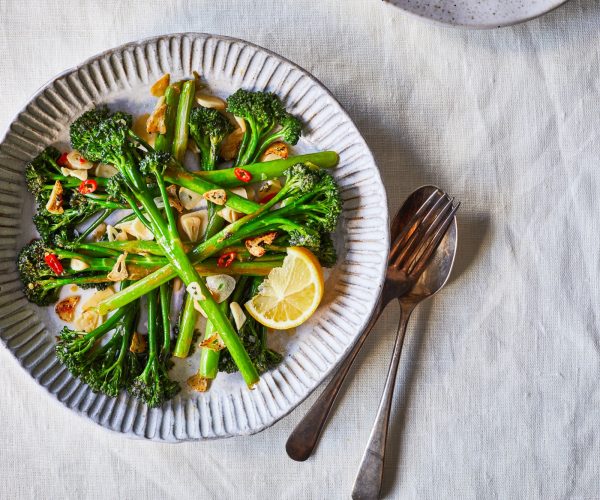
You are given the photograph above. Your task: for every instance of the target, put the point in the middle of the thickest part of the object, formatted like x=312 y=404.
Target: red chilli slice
x=62 y=160
x=226 y=259
x=242 y=175
x=88 y=186
x=54 y=263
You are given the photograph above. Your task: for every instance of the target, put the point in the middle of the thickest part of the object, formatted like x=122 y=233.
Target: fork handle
x=370 y=473
x=304 y=437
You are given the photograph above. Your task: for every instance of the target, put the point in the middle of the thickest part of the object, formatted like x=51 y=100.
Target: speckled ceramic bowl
x=478 y=13
x=121 y=78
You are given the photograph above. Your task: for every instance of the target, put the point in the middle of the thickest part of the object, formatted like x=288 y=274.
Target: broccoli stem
x=187 y=322
x=218 y=242
x=165 y=311
x=226 y=178
x=164 y=142
x=209 y=358
x=92 y=227
x=184 y=107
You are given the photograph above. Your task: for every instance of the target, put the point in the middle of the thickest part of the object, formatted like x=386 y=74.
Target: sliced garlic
x=136 y=229
x=191 y=200
x=228 y=213
x=268 y=188
x=82 y=175
x=199 y=308
x=66 y=308
x=140 y=128
x=241 y=123
x=210 y=101
x=239 y=317
x=159 y=87
x=156 y=121
x=195 y=291
x=105 y=170
x=78 y=265
x=54 y=205
x=275 y=151
x=194 y=224
x=221 y=286
x=231 y=144
x=77 y=161
x=98 y=297
x=99 y=232
x=119 y=270
x=87 y=321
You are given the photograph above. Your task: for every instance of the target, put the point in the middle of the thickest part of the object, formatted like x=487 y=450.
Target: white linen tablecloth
x=498 y=393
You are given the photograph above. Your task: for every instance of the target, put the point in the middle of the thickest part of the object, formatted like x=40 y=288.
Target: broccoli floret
x=42 y=171
x=208 y=128
x=261 y=110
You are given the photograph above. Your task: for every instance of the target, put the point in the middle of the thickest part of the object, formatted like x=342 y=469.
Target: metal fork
x=413 y=225
x=408 y=259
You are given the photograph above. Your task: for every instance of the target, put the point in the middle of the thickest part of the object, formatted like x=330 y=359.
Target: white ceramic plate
x=121 y=78
x=478 y=13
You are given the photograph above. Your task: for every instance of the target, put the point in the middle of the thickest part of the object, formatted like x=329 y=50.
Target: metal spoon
x=435 y=275
x=304 y=437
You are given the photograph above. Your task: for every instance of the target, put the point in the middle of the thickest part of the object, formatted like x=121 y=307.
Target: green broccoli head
x=291 y=129
x=154 y=163
x=101 y=136
x=153 y=386
x=208 y=125
x=258 y=108
x=326 y=252
x=300 y=179
x=40 y=168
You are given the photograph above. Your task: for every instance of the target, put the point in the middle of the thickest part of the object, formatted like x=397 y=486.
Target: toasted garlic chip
x=138 y=344
x=210 y=101
x=231 y=144
x=114 y=234
x=239 y=317
x=159 y=87
x=256 y=245
x=77 y=161
x=198 y=383
x=87 y=321
x=119 y=270
x=195 y=291
x=216 y=196
x=105 y=170
x=228 y=213
x=191 y=200
x=214 y=343
x=66 y=308
x=82 y=175
x=241 y=123
x=78 y=265
x=156 y=120
x=275 y=151
x=54 y=205
x=174 y=200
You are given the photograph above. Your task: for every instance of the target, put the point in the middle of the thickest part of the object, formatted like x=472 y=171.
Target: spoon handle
x=370 y=473
x=304 y=437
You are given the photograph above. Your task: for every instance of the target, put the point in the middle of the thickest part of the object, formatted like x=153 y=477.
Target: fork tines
x=421 y=236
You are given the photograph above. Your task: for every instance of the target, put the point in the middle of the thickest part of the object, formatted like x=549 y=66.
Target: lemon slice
x=291 y=293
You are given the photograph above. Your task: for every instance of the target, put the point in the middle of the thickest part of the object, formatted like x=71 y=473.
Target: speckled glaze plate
x=121 y=78
x=478 y=13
